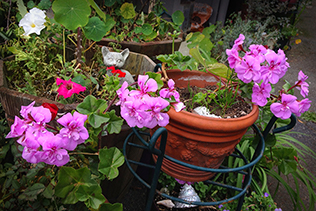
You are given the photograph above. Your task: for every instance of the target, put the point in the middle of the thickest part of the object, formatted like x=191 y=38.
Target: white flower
x=33 y=22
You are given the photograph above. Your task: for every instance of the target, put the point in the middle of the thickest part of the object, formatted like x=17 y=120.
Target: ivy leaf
x=110 y=160
x=115 y=123
x=77 y=185
x=71 y=13
x=127 y=10
x=90 y=105
x=177 y=17
x=95 y=29
x=111 y=207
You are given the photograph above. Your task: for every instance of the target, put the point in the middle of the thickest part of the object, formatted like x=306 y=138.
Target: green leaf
x=219 y=69
x=21 y=7
x=97 y=9
x=109 y=3
x=109 y=23
x=90 y=105
x=48 y=192
x=31 y=192
x=71 y=13
x=97 y=119
x=270 y=140
x=127 y=10
x=95 y=29
x=115 y=123
x=178 y=17
x=45 y=4
x=111 y=207
x=195 y=53
x=79 y=79
x=30 y=4
x=110 y=160
x=147 y=29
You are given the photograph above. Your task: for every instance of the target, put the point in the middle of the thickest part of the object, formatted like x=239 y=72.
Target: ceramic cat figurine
x=117 y=60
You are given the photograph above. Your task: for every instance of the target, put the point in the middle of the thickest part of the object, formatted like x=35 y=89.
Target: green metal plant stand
x=245 y=170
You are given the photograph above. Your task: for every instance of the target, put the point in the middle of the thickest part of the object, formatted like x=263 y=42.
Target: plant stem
x=83 y=153
x=79 y=45
x=64 y=47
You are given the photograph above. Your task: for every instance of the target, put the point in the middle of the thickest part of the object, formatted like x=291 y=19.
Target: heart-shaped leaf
x=71 y=13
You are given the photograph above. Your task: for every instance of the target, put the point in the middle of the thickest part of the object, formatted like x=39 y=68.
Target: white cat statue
x=117 y=60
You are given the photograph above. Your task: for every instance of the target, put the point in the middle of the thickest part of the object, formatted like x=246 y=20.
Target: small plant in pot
x=254 y=73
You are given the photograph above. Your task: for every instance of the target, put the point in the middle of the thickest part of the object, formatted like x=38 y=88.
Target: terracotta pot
x=199 y=140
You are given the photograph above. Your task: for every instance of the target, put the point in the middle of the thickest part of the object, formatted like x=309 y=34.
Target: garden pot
x=199 y=140
x=150 y=49
x=12 y=101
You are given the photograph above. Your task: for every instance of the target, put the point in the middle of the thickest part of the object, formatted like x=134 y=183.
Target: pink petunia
x=67 y=88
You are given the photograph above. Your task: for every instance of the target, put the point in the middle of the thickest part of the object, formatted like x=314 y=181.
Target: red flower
x=53 y=109
x=116 y=71
x=68 y=88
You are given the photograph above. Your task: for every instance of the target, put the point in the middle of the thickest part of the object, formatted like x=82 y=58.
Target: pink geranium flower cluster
x=263 y=67
x=142 y=107
x=42 y=145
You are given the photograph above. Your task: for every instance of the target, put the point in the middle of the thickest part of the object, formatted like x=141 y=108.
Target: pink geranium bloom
x=301 y=84
x=30 y=155
x=68 y=88
x=233 y=57
x=276 y=68
x=74 y=132
x=25 y=110
x=134 y=112
x=17 y=128
x=155 y=114
x=249 y=69
x=52 y=153
x=284 y=109
x=239 y=42
x=146 y=85
x=303 y=106
x=122 y=93
x=260 y=93
x=170 y=91
x=258 y=52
